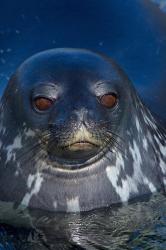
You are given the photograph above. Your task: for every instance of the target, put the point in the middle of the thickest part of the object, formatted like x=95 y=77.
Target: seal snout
x=81 y=142
x=79 y=146
x=83 y=139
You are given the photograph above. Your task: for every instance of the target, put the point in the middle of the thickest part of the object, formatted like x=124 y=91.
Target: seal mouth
x=75 y=155
x=81 y=145
x=75 y=152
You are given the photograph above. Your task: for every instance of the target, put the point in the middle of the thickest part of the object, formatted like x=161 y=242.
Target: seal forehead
x=58 y=64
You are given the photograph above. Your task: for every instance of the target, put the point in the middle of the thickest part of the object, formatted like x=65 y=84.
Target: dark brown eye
x=43 y=103
x=109 y=100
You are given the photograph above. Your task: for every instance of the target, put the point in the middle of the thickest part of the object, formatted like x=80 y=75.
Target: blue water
x=134 y=34
x=138 y=226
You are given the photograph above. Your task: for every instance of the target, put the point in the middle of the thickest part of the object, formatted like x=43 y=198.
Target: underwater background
x=133 y=33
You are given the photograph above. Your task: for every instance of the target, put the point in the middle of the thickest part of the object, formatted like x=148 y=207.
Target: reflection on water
x=140 y=225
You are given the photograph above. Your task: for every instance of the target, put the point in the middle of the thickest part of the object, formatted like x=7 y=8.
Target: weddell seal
x=75 y=136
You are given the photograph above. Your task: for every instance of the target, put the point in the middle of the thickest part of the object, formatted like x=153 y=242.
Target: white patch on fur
x=162 y=165
x=55 y=204
x=149 y=120
x=16 y=173
x=17 y=144
x=164 y=181
x=145 y=143
x=137 y=124
x=119 y=161
x=38 y=179
x=136 y=154
x=149 y=137
x=128 y=185
x=29 y=133
x=30 y=180
x=138 y=175
x=2 y=129
x=162 y=147
x=128 y=132
x=150 y=185
x=73 y=205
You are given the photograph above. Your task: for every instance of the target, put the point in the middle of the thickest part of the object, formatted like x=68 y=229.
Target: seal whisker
x=29 y=149
x=113 y=144
x=112 y=140
x=113 y=121
x=117 y=136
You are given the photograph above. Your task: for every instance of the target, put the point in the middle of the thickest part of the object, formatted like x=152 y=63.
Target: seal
x=75 y=136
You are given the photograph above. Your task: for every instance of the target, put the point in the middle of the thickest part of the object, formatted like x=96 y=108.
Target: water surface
x=139 y=225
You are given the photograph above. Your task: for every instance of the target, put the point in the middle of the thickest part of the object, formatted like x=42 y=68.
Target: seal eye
x=109 y=100
x=43 y=103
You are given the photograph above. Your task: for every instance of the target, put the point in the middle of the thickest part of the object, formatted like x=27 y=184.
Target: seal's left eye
x=109 y=100
x=43 y=103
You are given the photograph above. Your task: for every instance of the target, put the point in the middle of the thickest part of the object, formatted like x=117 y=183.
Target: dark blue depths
x=132 y=32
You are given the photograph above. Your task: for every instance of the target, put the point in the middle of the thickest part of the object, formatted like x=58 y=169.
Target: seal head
x=75 y=136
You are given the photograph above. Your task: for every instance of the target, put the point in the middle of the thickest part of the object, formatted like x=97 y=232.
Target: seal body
x=75 y=135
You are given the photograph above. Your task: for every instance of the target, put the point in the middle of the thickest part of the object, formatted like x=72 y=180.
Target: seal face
x=75 y=136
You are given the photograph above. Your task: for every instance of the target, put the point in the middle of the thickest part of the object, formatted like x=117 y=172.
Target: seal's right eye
x=43 y=103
